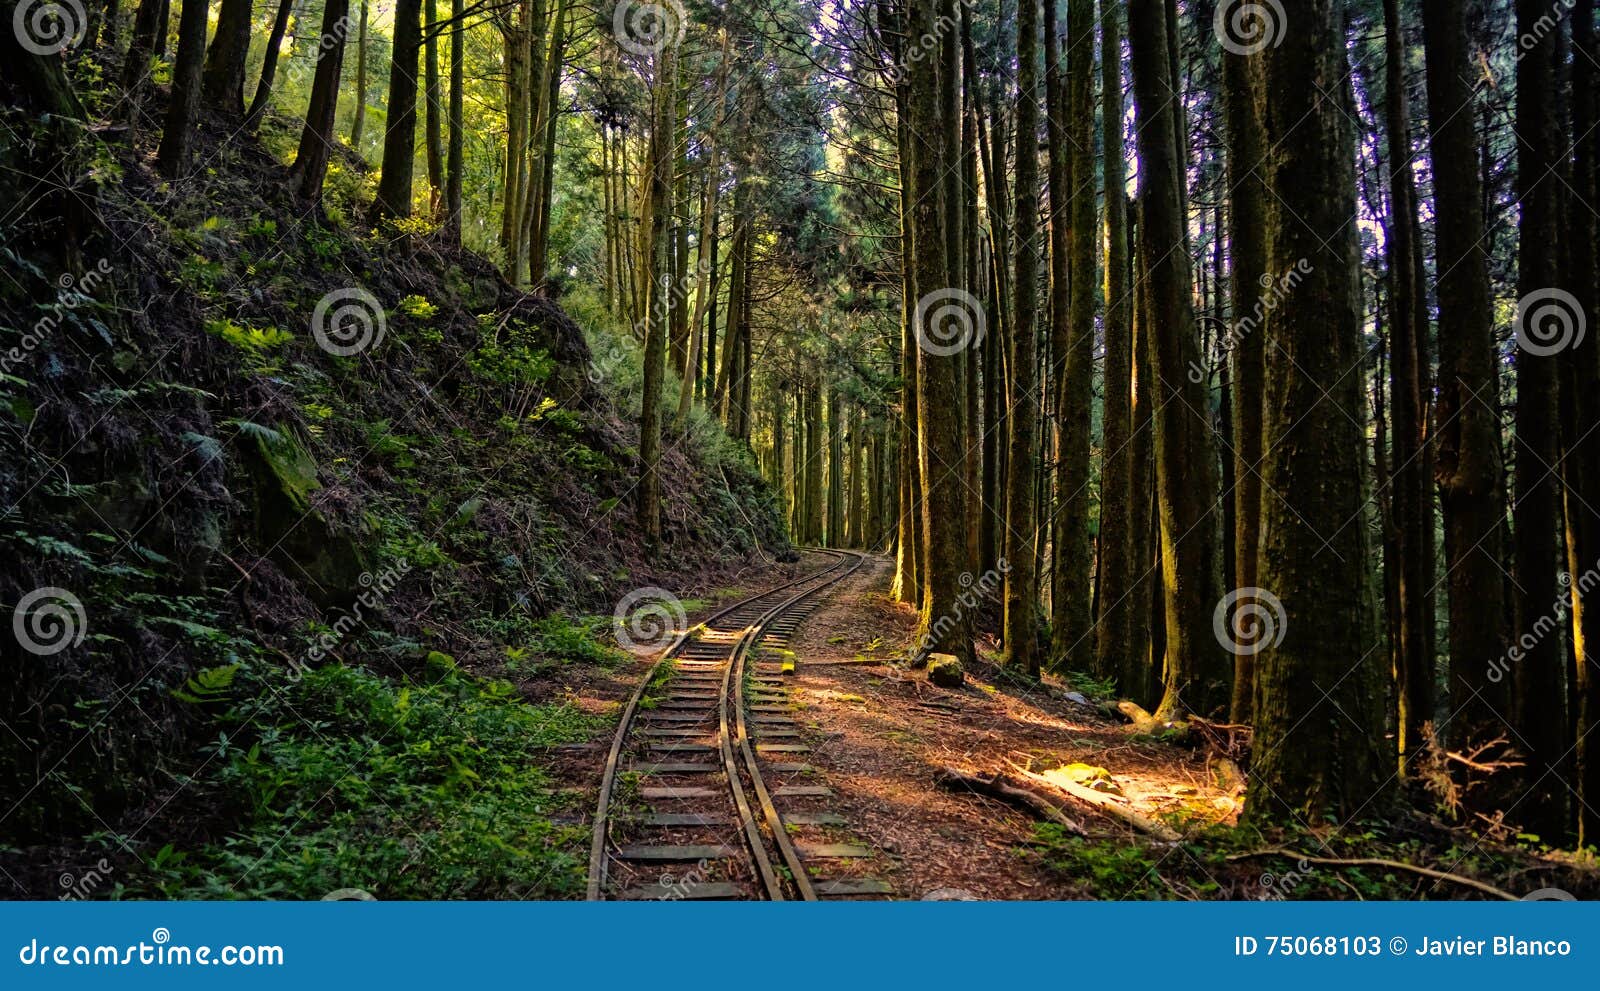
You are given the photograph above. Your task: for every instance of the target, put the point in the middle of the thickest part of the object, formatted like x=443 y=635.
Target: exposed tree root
x=1000 y=787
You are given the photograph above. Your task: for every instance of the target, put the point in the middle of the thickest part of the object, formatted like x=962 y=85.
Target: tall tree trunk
x=1022 y=592
x=269 y=65
x=177 y=139
x=1114 y=640
x=664 y=128
x=550 y=116
x=1540 y=693
x=222 y=80
x=148 y=22
x=1412 y=464
x=455 y=157
x=1466 y=412
x=400 y=134
x=358 y=126
x=1317 y=749
x=433 y=114
x=1249 y=218
x=1582 y=448
x=316 y=137
x=1072 y=588
x=1196 y=671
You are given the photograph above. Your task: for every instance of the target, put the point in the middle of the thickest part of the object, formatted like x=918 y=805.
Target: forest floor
x=1166 y=821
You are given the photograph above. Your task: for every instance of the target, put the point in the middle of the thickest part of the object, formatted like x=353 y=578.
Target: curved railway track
x=705 y=753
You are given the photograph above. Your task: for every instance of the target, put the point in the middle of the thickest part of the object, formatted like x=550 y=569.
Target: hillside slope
x=281 y=499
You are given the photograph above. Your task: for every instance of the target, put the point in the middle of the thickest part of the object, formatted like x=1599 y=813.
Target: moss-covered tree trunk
x=1196 y=669
x=1022 y=583
x=1249 y=216
x=1318 y=744
x=1539 y=709
x=1113 y=639
x=1466 y=411
x=659 y=246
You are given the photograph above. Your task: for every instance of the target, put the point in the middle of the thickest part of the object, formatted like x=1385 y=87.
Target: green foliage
x=405 y=790
x=1117 y=870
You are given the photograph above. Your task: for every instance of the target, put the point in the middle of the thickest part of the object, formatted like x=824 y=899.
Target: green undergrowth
x=418 y=788
x=1222 y=862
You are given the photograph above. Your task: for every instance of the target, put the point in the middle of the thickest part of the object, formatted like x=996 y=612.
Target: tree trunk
x=269 y=65
x=433 y=123
x=1466 y=413
x=455 y=155
x=663 y=130
x=1317 y=750
x=316 y=137
x=1114 y=640
x=1022 y=593
x=222 y=80
x=172 y=158
x=1249 y=217
x=1540 y=694
x=360 y=123
x=400 y=134
x=1196 y=671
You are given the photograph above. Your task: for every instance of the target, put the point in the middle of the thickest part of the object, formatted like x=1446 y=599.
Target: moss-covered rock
x=945 y=671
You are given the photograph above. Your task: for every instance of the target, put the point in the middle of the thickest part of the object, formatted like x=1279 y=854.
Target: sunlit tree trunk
x=269 y=65
x=664 y=127
x=222 y=80
x=1196 y=672
x=400 y=134
x=316 y=137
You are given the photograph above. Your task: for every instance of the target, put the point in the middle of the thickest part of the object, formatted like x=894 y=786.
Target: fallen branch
x=1465 y=882
x=1000 y=787
x=1106 y=804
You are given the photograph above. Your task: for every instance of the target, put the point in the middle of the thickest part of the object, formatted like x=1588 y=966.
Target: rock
x=301 y=537
x=1077 y=697
x=945 y=671
x=950 y=895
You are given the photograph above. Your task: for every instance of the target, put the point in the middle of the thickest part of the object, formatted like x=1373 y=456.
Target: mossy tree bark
x=1318 y=744
x=1539 y=707
x=1113 y=639
x=1186 y=475
x=1249 y=217
x=1466 y=410
x=659 y=247
x=1022 y=583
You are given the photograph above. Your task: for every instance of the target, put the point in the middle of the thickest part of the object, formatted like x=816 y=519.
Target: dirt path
x=879 y=736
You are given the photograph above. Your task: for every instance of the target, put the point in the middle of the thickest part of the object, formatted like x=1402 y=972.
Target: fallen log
x=1106 y=804
x=1000 y=787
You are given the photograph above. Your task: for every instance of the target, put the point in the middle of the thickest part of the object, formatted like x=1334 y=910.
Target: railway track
x=706 y=794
